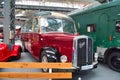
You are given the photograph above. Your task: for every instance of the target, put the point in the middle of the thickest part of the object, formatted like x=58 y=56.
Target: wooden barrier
x=54 y=75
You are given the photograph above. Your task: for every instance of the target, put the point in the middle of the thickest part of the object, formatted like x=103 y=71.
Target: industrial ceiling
x=73 y=0
x=89 y=1
x=32 y=11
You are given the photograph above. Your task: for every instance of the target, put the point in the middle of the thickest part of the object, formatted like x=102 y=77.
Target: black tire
x=114 y=61
x=44 y=59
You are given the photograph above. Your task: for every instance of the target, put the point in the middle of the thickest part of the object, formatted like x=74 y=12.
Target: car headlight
x=63 y=58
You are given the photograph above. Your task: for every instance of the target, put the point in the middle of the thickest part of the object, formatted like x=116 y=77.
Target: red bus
x=52 y=37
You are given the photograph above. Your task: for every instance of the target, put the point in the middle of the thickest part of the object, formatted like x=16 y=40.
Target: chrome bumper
x=86 y=67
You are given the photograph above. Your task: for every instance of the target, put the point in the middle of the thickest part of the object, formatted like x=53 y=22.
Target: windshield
x=52 y=24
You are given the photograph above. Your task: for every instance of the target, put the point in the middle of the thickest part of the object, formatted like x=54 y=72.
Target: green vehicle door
x=102 y=31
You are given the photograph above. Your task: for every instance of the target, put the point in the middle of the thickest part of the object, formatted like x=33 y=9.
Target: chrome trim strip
x=75 y=52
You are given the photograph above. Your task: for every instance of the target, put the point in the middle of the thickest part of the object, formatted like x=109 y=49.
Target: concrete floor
x=100 y=73
x=103 y=72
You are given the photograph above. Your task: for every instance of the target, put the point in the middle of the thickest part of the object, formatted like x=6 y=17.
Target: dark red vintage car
x=52 y=37
x=9 y=51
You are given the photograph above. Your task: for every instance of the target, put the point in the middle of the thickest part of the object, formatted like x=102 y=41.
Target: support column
x=9 y=21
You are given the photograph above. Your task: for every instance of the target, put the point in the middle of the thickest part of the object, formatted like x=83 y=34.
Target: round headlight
x=63 y=58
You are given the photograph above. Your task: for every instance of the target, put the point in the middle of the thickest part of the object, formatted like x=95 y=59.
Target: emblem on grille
x=81 y=44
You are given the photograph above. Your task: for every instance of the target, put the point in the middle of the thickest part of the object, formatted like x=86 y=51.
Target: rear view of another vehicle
x=9 y=51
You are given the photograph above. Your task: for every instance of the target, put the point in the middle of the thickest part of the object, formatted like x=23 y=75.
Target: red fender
x=16 y=49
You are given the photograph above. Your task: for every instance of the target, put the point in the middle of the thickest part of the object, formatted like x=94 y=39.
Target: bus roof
x=48 y=13
x=92 y=9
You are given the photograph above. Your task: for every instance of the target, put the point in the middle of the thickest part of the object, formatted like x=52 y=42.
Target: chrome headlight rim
x=63 y=58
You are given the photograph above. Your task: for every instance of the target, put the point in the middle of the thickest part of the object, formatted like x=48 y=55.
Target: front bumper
x=82 y=68
x=86 y=67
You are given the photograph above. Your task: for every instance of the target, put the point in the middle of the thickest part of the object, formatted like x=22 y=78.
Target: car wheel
x=44 y=59
x=114 y=61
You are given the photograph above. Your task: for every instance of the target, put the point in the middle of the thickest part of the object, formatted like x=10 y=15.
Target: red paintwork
x=5 y=53
x=63 y=42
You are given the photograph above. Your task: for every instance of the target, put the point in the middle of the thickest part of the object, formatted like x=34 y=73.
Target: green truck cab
x=102 y=23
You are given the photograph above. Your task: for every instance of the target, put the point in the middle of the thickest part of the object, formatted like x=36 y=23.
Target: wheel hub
x=116 y=62
x=44 y=60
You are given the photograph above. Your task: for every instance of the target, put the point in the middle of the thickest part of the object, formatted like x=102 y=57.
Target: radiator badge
x=81 y=44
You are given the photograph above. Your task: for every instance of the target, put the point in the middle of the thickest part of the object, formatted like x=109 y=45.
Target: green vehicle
x=102 y=23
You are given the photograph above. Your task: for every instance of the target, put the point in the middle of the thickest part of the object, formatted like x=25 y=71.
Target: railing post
x=50 y=71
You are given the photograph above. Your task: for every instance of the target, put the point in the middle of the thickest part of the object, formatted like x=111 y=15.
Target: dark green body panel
x=104 y=17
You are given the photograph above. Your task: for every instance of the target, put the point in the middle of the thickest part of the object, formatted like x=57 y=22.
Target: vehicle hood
x=58 y=36
x=63 y=42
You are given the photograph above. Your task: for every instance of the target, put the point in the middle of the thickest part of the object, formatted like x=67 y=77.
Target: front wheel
x=114 y=61
x=44 y=59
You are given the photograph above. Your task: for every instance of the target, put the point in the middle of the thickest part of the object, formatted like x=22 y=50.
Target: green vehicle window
x=91 y=28
x=118 y=26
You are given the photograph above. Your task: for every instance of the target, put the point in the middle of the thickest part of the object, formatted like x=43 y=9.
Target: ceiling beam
x=81 y=1
x=30 y=7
